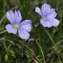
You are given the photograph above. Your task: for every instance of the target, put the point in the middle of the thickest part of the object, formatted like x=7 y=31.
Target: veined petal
x=45 y=9
x=37 y=9
x=54 y=22
x=46 y=23
x=10 y=29
x=43 y=23
x=23 y=34
x=51 y=14
x=26 y=22
x=26 y=25
x=10 y=16
x=18 y=16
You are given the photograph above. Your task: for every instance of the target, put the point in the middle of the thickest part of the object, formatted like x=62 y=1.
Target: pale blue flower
x=48 y=15
x=22 y=28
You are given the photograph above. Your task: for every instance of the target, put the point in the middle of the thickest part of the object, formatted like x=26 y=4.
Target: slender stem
x=2 y=19
x=55 y=48
x=3 y=32
x=41 y=51
x=37 y=59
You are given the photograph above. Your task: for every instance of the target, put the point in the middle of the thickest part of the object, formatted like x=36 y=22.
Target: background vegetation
x=45 y=44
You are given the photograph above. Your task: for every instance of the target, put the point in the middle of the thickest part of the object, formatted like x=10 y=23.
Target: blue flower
x=22 y=28
x=47 y=16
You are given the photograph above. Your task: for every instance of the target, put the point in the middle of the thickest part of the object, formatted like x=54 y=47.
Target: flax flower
x=23 y=28
x=48 y=15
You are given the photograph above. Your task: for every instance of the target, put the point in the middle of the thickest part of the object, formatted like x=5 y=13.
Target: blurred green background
x=45 y=45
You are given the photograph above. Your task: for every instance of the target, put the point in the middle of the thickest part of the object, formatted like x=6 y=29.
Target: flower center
x=16 y=26
x=44 y=18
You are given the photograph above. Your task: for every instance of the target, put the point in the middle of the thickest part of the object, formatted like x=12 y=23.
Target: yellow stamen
x=16 y=26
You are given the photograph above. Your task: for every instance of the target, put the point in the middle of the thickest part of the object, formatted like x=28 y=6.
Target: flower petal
x=37 y=9
x=26 y=22
x=10 y=29
x=26 y=25
x=42 y=23
x=54 y=22
x=46 y=23
x=10 y=16
x=51 y=14
x=45 y=9
x=18 y=16
x=23 y=34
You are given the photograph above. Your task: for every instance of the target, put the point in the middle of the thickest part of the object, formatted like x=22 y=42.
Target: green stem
x=55 y=48
x=41 y=51
x=50 y=38
x=3 y=32
x=2 y=19
x=37 y=59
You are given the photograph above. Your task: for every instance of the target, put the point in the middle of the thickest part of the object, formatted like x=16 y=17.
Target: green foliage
x=44 y=46
x=6 y=58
